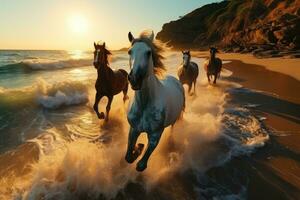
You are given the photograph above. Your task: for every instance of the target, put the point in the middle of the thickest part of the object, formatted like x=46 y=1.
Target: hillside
x=267 y=28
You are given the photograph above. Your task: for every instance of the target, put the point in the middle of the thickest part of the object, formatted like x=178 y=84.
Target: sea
x=53 y=146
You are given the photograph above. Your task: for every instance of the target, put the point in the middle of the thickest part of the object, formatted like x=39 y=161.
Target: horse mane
x=157 y=49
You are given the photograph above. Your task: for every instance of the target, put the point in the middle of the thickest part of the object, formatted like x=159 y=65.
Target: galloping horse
x=189 y=71
x=213 y=66
x=157 y=103
x=109 y=82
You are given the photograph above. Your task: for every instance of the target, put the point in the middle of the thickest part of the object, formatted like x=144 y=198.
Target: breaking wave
x=47 y=95
x=48 y=65
x=34 y=63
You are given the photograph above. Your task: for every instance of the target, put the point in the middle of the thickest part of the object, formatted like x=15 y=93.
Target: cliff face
x=270 y=27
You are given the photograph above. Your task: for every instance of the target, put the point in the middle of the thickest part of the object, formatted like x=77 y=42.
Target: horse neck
x=212 y=57
x=150 y=88
x=188 y=63
x=102 y=69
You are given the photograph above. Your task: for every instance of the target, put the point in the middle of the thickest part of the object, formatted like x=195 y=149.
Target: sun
x=78 y=24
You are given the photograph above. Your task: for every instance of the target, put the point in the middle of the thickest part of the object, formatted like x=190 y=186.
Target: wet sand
x=275 y=168
x=287 y=66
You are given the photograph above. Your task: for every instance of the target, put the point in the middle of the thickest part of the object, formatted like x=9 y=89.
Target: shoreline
x=275 y=91
x=287 y=66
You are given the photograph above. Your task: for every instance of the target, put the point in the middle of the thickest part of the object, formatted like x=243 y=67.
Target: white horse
x=157 y=103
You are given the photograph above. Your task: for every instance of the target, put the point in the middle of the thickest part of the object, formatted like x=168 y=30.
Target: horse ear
x=103 y=45
x=182 y=52
x=188 y=52
x=130 y=37
x=95 y=45
x=151 y=37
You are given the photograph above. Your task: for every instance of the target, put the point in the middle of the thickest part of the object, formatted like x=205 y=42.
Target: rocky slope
x=266 y=28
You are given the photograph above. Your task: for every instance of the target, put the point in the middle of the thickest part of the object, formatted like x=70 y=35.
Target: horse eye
x=148 y=53
x=129 y=52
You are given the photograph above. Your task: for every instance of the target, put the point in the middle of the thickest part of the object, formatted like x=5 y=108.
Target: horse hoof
x=136 y=153
x=101 y=115
x=141 y=166
x=129 y=159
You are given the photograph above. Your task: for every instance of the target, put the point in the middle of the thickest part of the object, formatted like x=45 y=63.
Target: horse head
x=100 y=55
x=186 y=58
x=144 y=58
x=213 y=50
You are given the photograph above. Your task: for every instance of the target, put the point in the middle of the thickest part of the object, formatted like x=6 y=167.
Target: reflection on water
x=78 y=54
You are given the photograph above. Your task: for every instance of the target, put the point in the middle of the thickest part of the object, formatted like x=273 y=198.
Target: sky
x=76 y=24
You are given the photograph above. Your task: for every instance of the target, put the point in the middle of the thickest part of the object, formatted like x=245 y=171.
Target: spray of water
x=90 y=163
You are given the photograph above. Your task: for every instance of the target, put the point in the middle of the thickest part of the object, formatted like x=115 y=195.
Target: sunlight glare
x=78 y=24
x=76 y=54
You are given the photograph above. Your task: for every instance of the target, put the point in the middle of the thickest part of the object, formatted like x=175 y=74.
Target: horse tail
x=124 y=72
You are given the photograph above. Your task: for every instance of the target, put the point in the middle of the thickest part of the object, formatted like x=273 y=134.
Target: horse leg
x=190 y=87
x=208 y=78
x=125 y=90
x=132 y=138
x=215 y=78
x=153 y=140
x=110 y=99
x=97 y=99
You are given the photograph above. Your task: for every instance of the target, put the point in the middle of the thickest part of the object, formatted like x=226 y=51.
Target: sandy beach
x=275 y=87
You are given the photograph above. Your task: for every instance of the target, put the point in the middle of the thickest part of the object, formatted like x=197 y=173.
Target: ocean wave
x=50 y=65
x=243 y=131
x=9 y=54
x=34 y=63
x=51 y=96
x=31 y=57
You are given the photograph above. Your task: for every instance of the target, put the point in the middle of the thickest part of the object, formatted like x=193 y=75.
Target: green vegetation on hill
x=239 y=25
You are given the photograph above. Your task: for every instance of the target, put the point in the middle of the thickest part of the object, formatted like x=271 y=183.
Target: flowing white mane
x=157 y=49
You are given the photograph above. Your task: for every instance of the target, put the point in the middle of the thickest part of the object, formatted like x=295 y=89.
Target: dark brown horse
x=189 y=71
x=109 y=82
x=213 y=66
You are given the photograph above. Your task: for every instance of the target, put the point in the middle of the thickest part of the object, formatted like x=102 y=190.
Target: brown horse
x=213 y=66
x=189 y=71
x=109 y=82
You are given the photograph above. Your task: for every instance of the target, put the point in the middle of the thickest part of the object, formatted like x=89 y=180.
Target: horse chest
x=213 y=66
x=184 y=75
x=104 y=82
x=146 y=120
